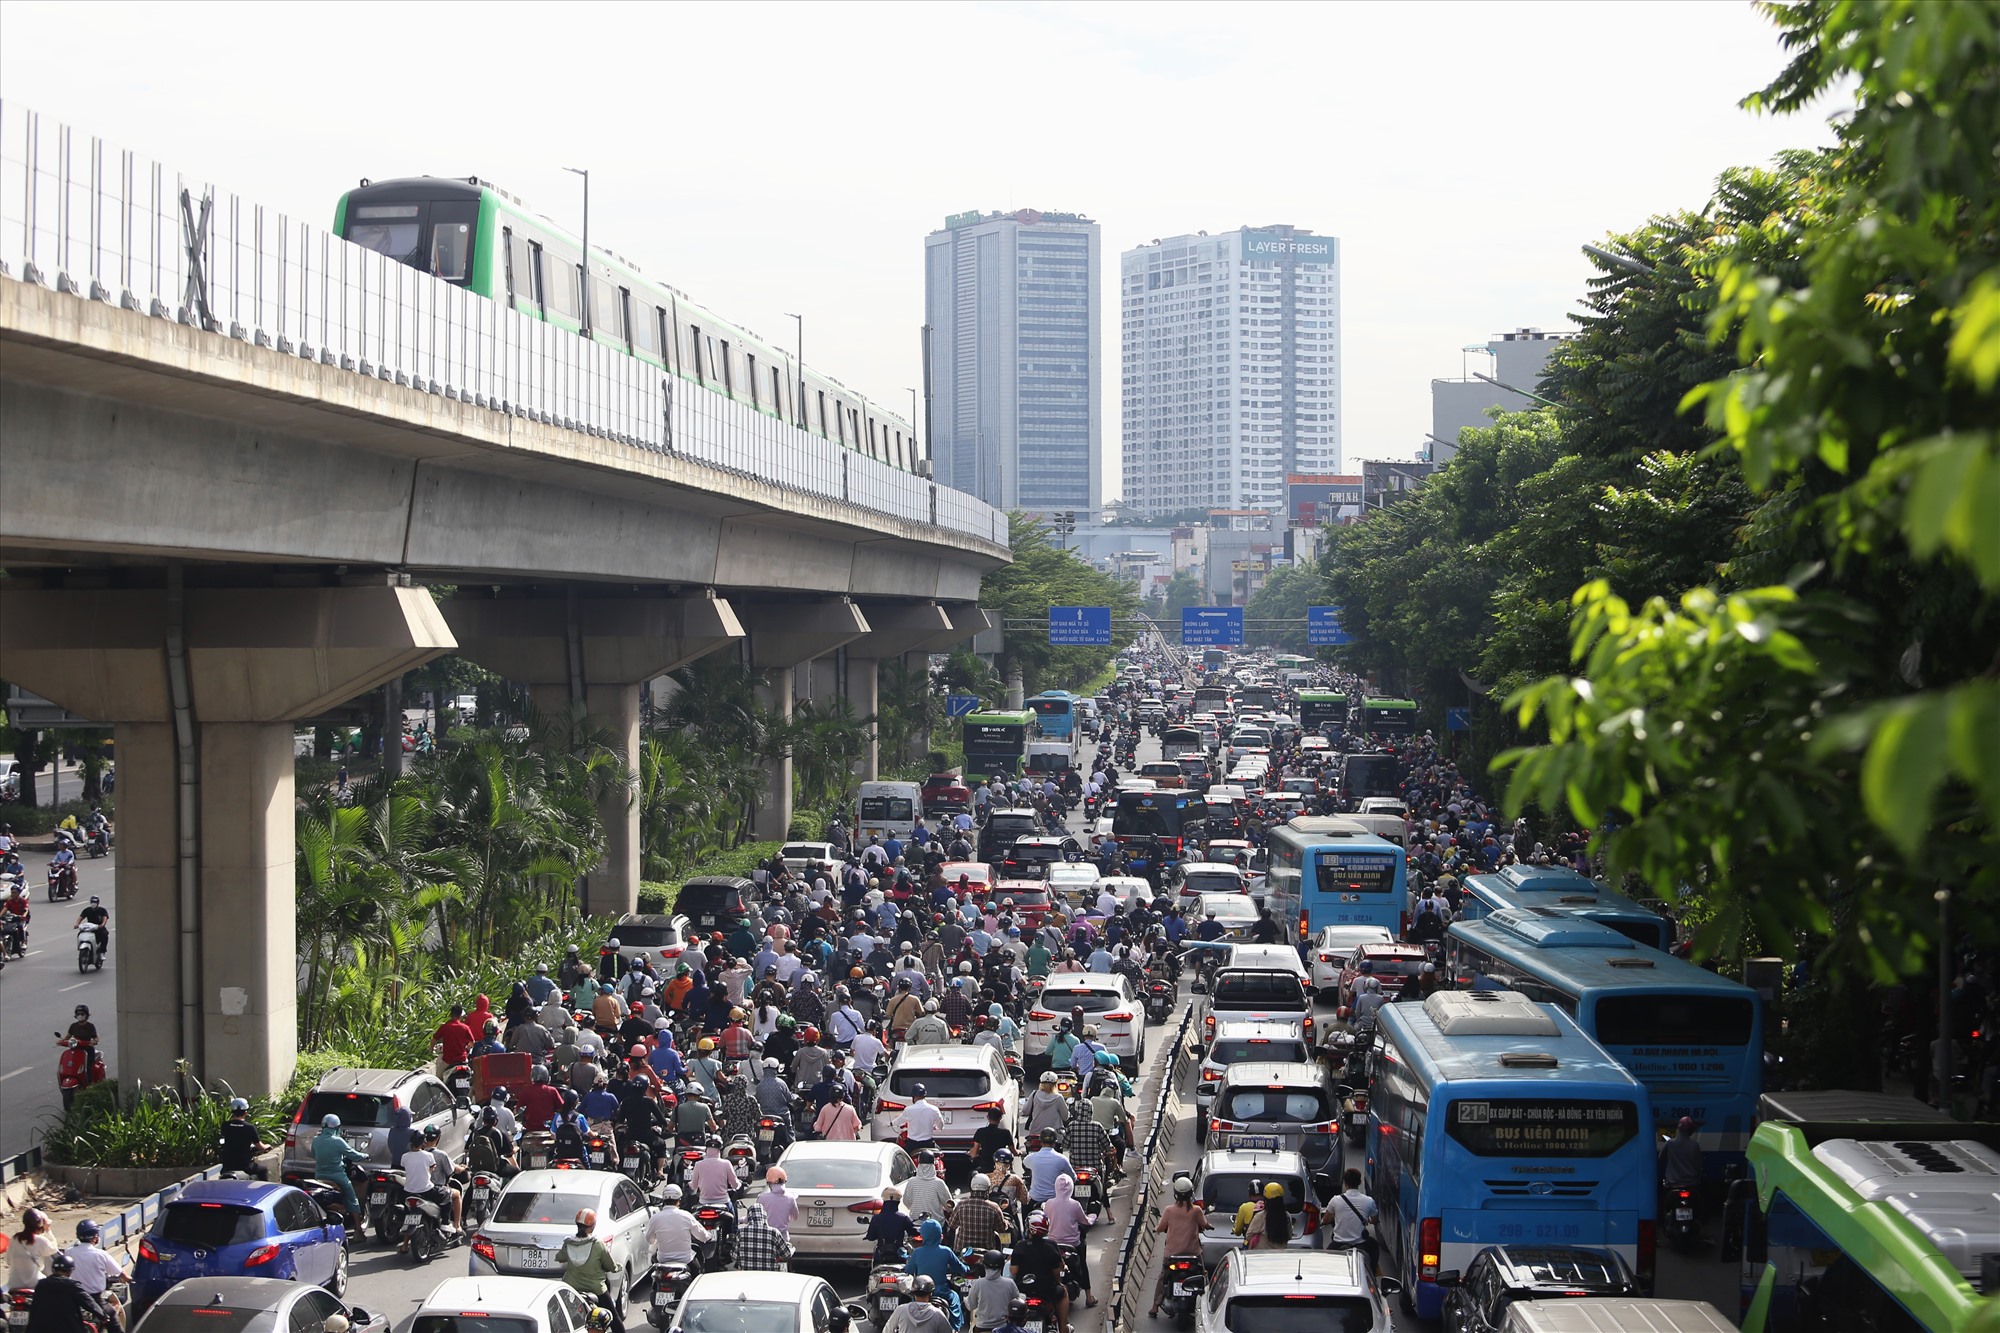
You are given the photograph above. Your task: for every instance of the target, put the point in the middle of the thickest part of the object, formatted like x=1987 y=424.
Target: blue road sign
x=958 y=705
x=1212 y=626
x=1458 y=719
x=1079 y=626
x=1323 y=626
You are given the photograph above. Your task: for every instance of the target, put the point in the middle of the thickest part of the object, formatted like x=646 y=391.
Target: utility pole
x=1063 y=523
x=585 y=302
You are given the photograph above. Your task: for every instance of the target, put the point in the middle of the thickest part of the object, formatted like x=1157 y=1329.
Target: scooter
x=421 y=1226
x=1185 y=1281
x=1677 y=1219
x=1160 y=997
x=1092 y=1191
x=62 y=882
x=88 y=956
x=13 y=936
x=767 y=1139
x=741 y=1154
x=459 y=1080
x=889 y=1290
x=670 y=1284
x=480 y=1192
x=98 y=842
x=1353 y=1114
x=719 y=1218
x=384 y=1193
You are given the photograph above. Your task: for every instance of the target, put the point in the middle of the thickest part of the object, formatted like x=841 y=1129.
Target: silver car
x=536 y=1213
x=1226 y=1180
x=1236 y=1043
x=1279 y=1108
x=1281 y=1292
x=365 y=1100
x=251 y=1305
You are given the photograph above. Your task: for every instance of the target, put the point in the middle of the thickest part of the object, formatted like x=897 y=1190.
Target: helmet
x=924 y=1286
x=965 y=968
x=1003 y=1155
x=705 y=1045
x=587 y=1217
x=329 y=1121
x=1183 y=1188
x=490 y=1116
x=1039 y=1224
x=917 y=1090
x=1428 y=969
x=775 y=1176
x=838 y=1320
x=598 y=1320
x=980 y=1184
x=61 y=1264
x=808 y=1034
x=930 y=1006
x=431 y=1134
x=672 y=1194
x=238 y=1104
x=95 y=899
x=1017 y=1311
x=611 y=943
x=336 y=1323
x=82 y=1011
x=86 y=1230
x=1048 y=1079
x=994 y=1259
x=770 y=1063
x=1274 y=1190
x=1687 y=1124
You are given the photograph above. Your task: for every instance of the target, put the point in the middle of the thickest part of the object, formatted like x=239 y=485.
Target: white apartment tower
x=1231 y=367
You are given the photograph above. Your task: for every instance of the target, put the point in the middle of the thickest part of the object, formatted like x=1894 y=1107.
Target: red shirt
x=456 y=1038
x=736 y=1042
x=539 y=1102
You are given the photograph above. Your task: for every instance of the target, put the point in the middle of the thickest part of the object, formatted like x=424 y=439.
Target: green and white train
x=475 y=236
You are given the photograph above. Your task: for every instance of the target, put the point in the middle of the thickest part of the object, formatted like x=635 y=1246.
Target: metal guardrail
x=132 y=1223
x=104 y=224
x=20 y=1164
x=1136 y=1250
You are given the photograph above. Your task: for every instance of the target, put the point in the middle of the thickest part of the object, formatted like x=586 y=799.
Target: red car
x=1031 y=900
x=1390 y=964
x=945 y=791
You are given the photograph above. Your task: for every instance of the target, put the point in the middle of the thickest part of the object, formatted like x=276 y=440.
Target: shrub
x=152 y=1127
x=658 y=896
x=33 y=820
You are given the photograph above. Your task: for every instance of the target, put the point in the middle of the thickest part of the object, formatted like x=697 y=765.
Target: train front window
x=388 y=229
x=451 y=238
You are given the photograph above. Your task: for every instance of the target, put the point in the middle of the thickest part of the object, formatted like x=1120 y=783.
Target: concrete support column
x=774 y=813
x=782 y=637
x=819 y=680
x=864 y=695
x=255 y=659
x=621 y=643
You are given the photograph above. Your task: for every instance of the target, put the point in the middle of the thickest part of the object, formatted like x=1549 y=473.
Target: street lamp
x=800 y=320
x=1616 y=260
x=1499 y=384
x=583 y=172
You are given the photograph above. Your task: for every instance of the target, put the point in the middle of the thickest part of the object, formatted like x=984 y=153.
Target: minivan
x=1266 y=1107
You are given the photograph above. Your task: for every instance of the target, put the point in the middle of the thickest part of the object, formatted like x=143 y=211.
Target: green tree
x=1182 y=591
x=1285 y=596
x=1043 y=575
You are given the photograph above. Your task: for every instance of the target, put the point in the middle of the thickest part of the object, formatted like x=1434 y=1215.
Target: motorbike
x=670 y=1283
x=459 y=1080
x=480 y=1192
x=767 y=1140
x=635 y=1159
x=98 y=842
x=419 y=1224
x=534 y=1149
x=1185 y=1281
x=719 y=1218
x=1677 y=1219
x=1040 y=1317
x=1092 y=1191
x=20 y=1301
x=683 y=1160
x=334 y=1203
x=600 y=1152
x=1353 y=1114
x=384 y=1192
x=62 y=882
x=1160 y=997
x=88 y=956
x=13 y=936
x=742 y=1156
x=889 y=1290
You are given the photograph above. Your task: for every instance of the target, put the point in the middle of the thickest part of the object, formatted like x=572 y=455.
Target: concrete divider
x=1137 y=1251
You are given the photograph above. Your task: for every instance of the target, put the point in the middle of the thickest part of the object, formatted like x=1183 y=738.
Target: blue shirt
x=598 y=1104
x=540 y=988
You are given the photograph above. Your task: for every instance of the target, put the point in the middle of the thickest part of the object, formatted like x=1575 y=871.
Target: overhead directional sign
x=1323 y=626
x=1079 y=626
x=1212 y=626
x=958 y=705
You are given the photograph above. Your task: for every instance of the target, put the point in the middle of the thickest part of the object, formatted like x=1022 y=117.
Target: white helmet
x=772 y=1064
x=930 y=1006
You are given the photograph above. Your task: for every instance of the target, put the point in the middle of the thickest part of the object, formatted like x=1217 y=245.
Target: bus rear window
x=1542 y=1127
x=1675 y=1020
x=1353 y=872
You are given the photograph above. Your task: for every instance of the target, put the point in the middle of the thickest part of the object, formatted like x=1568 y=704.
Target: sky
x=773 y=158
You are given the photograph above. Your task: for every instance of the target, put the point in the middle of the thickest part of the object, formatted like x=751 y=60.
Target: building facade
x=1519 y=358
x=1231 y=374
x=1016 y=410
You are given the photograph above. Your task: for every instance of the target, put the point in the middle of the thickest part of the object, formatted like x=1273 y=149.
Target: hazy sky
x=791 y=157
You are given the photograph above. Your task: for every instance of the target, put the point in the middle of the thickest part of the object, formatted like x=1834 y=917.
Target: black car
x=1029 y=857
x=1477 y=1299
x=997 y=834
x=715 y=902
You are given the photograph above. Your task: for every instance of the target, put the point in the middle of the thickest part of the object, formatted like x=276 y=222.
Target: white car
x=1236 y=1043
x=660 y=939
x=963 y=1082
x=801 y=856
x=1285 y=1289
x=978 y=875
x=1107 y=1002
x=1072 y=877
x=536 y=1212
x=517 y=1304
x=1130 y=890
x=1202 y=878
x=1332 y=950
x=839 y=1188
x=755 y=1302
x=1102 y=828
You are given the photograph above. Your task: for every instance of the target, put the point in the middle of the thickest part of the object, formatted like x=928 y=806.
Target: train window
x=854 y=420
x=625 y=319
x=871 y=437
x=527 y=276
x=559 y=283
x=751 y=375
x=388 y=229
x=694 y=339
x=777 y=392
x=728 y=369
x=822 y=413
x=646 y=327
x=840 y=418
x=451 y=250
x=608 y=310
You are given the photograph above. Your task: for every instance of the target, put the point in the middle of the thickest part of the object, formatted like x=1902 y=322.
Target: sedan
x=240 y=1228
x=1236 y=912
x=536 y=1212
x=754 y=1302
x=839 y=1188
x=501 y=1305
x=211 y=1304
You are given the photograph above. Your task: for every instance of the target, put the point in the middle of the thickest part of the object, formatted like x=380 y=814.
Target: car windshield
x=208 y=1319
x=357 y=1110
x=1299 y=1313
x=1303 y=1106
x=209 y=1226
x=1258 y=990
x=1035 y=851
x=1278 y=1051
x=646 y=937
x=469 y=1323
x=832 y=1173
x=739 y=1317
x=542 y=1206
x=940 y=1082
x=1010 y=826
x=1090 y=1001
x=1231 y=1191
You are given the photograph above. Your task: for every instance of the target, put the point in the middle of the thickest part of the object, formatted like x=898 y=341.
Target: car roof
x=1271 y=1071
x=752 y=1285
x=1359 y=934
x=1022 y=810
x=262 y=1293
x=355 y=1079
x=1215 y=902
x=1079 y=981
x=858 y=1150
x=1307 y=1272
x=952 y=869
x=939 y=1055
x=1256 y=1027
x=249 y=1193
x=1236 y=1161
x=648 y=919
x=1394 y=949
x=1051 y=839
x=555 y=1182
x=528 y=1295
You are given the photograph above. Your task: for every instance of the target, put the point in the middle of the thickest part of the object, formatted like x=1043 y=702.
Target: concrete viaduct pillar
x=893 y=629
x=594 y=654
x=782 y=637
x=202 y=687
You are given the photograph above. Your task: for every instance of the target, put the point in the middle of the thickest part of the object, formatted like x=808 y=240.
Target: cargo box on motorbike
x=512 y=1070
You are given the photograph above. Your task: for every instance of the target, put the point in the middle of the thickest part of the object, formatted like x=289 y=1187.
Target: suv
x=1394 y=965
x=1476 y=1301
x=1257 y=994
x=660 y=939
x=1030 y=857
x=363 y=1099
x=1283 y=1290
x=963 y=1082
x=1224 y=1181
x=1266 y=1107
x=997 y=834
x=1272 y=1043
x=716 y=902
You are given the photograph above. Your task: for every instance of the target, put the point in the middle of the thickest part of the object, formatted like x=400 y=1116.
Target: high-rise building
x=1231 y=368
x=1016 y=413
x=1519 y=359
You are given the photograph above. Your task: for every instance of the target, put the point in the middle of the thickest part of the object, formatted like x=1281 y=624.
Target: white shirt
x=28 y=1263
x=922 y=1120
x=417 y=1166
x=95 y=1269
x=673 y=1232
x=868 y=1049
x=1347 y=1227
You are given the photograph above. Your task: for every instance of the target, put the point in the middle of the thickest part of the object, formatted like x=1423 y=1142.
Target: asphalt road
x=39 y=993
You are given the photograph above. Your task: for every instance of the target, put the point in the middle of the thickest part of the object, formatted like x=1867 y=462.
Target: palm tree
x=826 y=739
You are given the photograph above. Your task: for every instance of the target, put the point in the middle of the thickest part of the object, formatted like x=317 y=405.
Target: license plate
x=820 y=1217
x=663 y=1298
x=359 y=1142
x=766 y=1135
x=1183 y=1288
x=535 y=1258
x=1683 y=1214
x=378 y=1196
x=629 y=1163
x=887 y=1305
x=480 y=1196
x=1267 y=1142
x=704 y=921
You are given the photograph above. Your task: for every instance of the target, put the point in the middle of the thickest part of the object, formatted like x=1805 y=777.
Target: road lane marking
x=10 y=1073
x=67 y=989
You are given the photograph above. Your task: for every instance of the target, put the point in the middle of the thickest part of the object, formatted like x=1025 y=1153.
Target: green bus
x=1322 y=712
x=997 y=743
x=1868 y=1212
x=1388 y=717
x=1292 y=662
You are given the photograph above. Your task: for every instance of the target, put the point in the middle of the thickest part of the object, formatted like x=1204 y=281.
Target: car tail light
x=1430 y=1244
x=263 y=1254
x=148 y=1253
x=1211 y=1076
x=865 y=1206
x=1327 y=957
x=1120 y=1017
x=989 y=1106
x=1037 y=1016
x=1312 y=1218
x=1222 y=1126
x=483 y=1247
x=1324 y=1127
x=1647 y=1252
x=884 y=1104
x=1403 y=925
x=1208 y=1026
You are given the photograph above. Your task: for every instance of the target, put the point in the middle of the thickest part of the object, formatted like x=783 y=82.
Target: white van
x=887 y=810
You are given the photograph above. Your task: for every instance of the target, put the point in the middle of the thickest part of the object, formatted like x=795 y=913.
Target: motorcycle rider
x=427 y=1172
x=1367 y=1003
x=776 y=1100
x=920 y=1314
x=95 y=1270
x=929 y=1029
x=241 y=1142
x=588 y=1266
x=488 y=1149
x=1038 y=1267
x=331 y=1153
x=712 y=1179
x=934 y=1260
x=925 y=1194
x=64 y=863
x=61 y=1304
x=97 y=914
x=1182 y=1223
x=674 y=1232
x=1680 y=1158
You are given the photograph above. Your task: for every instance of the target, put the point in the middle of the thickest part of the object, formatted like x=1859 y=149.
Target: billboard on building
x=1298 y=249
x=1306 y=497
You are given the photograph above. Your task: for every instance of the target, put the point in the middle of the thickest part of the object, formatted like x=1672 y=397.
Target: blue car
x=240 y=1228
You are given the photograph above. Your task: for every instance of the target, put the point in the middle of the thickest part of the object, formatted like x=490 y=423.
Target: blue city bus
x=1056 y=711
x=1695 y=1039
x=1561 y=889
x=1329 y=871
x=1493 y=1120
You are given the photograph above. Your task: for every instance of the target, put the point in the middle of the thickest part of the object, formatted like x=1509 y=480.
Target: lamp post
x=1616 y=260
x=800 y=320
x=585 y=303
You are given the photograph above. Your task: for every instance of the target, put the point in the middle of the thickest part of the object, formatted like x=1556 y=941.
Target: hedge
x=658 y=897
